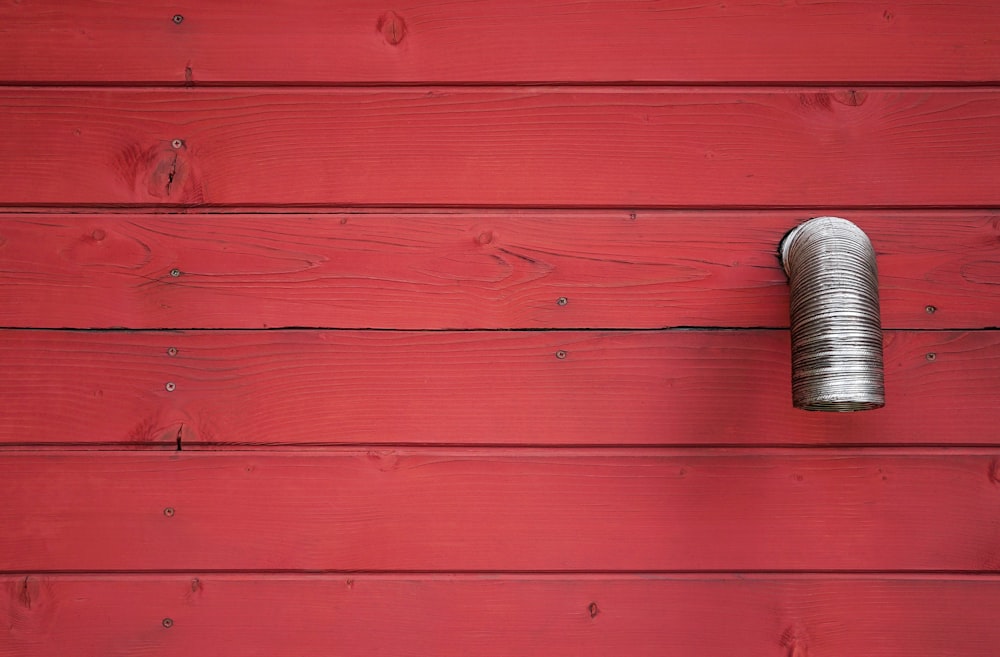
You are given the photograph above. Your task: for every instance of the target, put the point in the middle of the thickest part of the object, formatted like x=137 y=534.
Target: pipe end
x=840 y=405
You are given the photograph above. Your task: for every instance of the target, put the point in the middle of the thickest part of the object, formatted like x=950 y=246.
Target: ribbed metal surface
x=836 y=327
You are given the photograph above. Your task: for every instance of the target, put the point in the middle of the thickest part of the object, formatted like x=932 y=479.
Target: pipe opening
x=836 y=327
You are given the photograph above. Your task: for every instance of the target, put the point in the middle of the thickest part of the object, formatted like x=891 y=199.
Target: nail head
x=168 y=623
x=931 y=310
x=171 y=351
x=178 y=19
x=177 y=143
x=169 y=512
x=562 y=301
x=175 y=272
x=170 y=386
x=932 y=356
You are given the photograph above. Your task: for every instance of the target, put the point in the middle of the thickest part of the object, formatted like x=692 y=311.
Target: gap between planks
x=530 y=575
x=533 y=450
x=457 y=210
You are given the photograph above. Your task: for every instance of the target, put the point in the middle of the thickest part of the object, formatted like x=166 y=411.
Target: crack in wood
x=170 y=174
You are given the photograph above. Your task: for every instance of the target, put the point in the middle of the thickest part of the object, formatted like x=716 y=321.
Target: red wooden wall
x=457 y=328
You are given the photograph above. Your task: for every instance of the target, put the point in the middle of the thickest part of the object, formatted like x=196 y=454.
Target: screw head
x=931 y=310
x=171 y=351
x=177 y=143
x=178 y=19
x=560 y=354
x=168 y=623
x=175 y=272
x=169 y=512
x=170 y=386
x=562 y=301
x=931 y=356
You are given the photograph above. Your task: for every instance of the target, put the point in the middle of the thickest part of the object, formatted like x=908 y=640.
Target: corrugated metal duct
x=835 y=323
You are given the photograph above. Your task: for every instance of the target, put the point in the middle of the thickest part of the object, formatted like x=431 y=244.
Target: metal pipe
x=835 y=322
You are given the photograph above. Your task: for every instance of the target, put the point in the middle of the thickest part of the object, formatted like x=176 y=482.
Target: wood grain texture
x=372 y=387
x=598 y=489
x=501 y=509
x=568 y=147
x=361 y=41
x=314 y=616
x=486 y=269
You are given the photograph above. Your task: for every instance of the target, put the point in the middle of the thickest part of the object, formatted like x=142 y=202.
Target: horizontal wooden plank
x=364 y=615
x=486 y=269
x=360 y=41
x=610 y=388
x=569 y=147
x=501 y=509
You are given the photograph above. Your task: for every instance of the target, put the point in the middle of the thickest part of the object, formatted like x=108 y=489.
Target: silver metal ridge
x=835 y=322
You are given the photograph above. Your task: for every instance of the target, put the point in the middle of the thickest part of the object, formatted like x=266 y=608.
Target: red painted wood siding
x=493 y=388
x=479 y=41
x=523 y=146
x=458 y=328
x=473 y=269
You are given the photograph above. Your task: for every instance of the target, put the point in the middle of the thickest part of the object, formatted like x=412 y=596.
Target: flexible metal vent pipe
x=836 y=327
